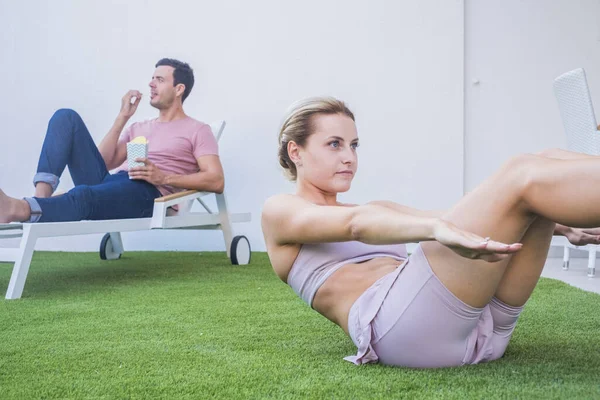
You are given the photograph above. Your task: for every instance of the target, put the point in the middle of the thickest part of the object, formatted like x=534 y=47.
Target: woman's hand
x=470 y=245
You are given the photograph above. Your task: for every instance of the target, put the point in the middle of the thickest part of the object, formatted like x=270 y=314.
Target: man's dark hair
x=182 y=73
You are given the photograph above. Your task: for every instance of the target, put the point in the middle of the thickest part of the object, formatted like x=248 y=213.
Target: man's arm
x=113 y=152
x=209 y=179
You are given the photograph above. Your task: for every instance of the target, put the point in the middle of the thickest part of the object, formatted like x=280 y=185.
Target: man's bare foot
x=581 y=237
x=12 y=209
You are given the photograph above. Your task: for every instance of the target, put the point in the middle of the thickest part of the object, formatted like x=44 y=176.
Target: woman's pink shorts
x=409 y=318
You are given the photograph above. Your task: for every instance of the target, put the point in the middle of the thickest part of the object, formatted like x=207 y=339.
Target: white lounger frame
x=163 y=217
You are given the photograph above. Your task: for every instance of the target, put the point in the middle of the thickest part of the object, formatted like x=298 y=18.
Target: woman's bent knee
x=521 y=160
x=550 y=153
x=519 y=172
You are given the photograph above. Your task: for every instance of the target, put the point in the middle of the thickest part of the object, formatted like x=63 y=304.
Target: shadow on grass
x=51 y=273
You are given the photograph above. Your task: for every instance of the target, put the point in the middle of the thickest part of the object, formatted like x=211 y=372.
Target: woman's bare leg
x=524 y=269
x=505 y=207
x=566 y=155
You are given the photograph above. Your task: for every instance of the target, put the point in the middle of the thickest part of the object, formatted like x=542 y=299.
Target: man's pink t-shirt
x=174 y=146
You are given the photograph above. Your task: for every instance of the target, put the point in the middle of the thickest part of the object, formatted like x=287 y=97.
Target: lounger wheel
x=107 y=251
x=240 y=250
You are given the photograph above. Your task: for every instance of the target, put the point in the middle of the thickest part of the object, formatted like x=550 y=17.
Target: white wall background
x=399 y=65
x=406 y=68
x=515 y=49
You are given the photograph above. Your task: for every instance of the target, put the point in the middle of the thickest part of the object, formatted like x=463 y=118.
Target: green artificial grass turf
x=190 y=325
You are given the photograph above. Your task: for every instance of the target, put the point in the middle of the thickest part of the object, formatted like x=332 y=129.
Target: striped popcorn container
x=136 y=150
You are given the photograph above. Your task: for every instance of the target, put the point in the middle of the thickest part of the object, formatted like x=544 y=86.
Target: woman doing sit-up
x=456 y=299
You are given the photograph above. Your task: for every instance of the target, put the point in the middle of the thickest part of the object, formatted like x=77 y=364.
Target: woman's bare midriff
x=336 y=296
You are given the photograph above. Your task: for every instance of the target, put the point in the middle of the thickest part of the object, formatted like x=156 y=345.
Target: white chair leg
x=225 y=222
x=185 y=207
x=159 y=213
x=117 y=243
x=566 y=255
x=21 y=267
x=592 y=262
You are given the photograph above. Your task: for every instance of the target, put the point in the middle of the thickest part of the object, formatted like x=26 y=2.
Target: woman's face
x=329 y=160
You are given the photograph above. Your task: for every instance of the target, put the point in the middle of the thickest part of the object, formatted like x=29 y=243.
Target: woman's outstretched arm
x=409 y=210
x=289 y=219
x=578 y=237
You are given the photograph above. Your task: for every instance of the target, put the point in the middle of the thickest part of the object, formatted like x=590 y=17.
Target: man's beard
x=159 y=105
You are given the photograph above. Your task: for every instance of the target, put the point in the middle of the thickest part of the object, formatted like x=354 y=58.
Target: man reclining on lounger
x=182 y=154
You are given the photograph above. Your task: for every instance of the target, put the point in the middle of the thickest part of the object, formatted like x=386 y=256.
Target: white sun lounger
x=577 y=113
x=111 y=247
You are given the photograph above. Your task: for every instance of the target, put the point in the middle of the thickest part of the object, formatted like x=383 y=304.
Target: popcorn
x=137 y=148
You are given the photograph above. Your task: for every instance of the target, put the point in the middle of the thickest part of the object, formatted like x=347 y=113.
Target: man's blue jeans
x=97 y=194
